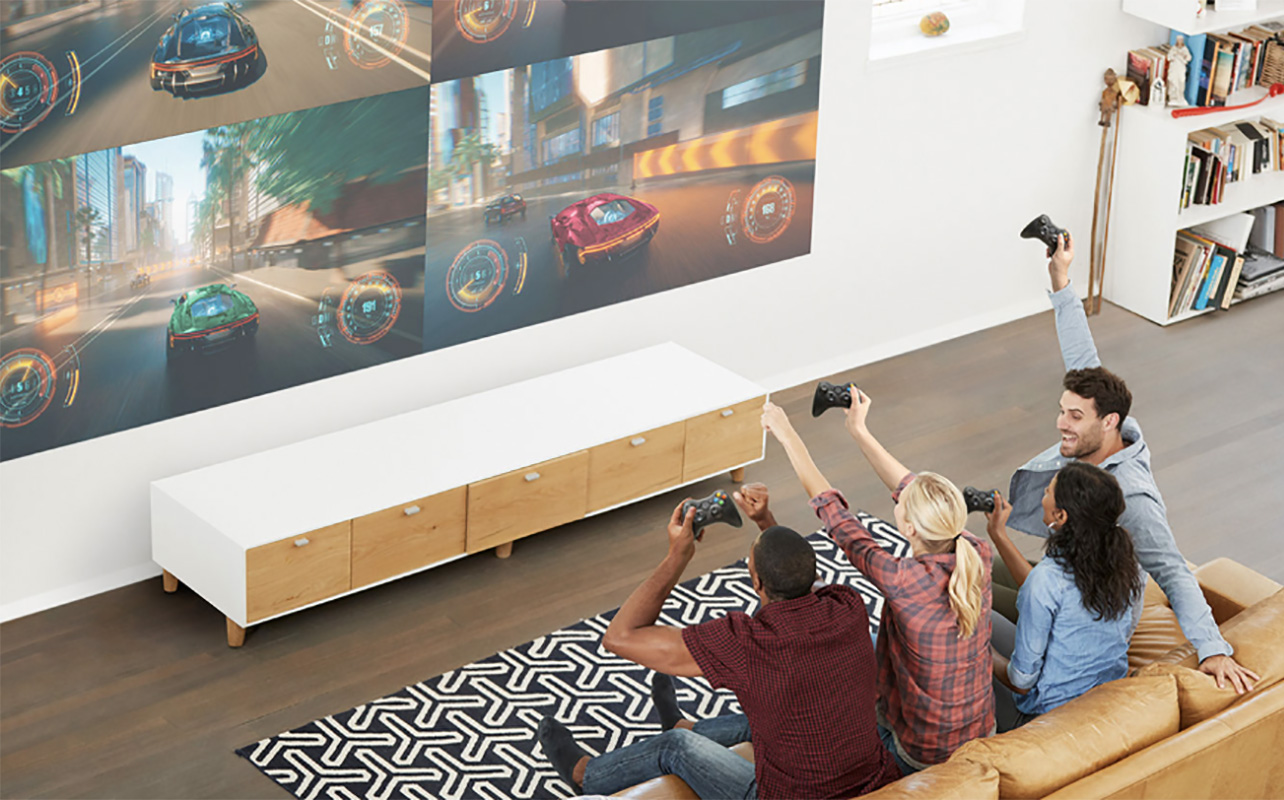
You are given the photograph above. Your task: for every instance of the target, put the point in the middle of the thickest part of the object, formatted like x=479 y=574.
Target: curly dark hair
x=1091 y=545
x=1106 y=390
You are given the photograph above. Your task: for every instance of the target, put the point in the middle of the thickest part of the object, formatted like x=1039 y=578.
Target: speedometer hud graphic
x=103 y=75
x=28 y=91
x=144 y=310
x=567 y=185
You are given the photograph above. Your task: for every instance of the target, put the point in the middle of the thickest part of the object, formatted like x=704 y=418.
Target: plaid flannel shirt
x=934 y=689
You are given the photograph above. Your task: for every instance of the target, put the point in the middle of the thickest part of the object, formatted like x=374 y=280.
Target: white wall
x=927 y=173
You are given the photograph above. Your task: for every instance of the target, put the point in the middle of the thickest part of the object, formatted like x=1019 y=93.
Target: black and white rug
x=470 y=733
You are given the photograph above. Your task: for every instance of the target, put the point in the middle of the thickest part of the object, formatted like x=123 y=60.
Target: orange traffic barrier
x=774 y=142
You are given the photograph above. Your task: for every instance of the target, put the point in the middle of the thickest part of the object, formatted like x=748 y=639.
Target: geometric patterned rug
x=470 y=733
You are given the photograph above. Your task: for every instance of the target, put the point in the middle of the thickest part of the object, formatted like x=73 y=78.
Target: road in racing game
x=136 y=70
x=473 y=37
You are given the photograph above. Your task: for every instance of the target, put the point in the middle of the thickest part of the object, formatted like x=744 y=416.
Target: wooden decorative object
x=1273 y=66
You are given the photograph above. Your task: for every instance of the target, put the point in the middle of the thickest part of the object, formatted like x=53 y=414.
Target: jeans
x=1006 y=715
x=700 y=757
x=889 y=741
x=1004 y=588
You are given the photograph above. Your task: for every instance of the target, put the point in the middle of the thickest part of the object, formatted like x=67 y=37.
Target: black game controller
x=717 y=507
x=1041 y=228
x=978 y=500
x=830 y=396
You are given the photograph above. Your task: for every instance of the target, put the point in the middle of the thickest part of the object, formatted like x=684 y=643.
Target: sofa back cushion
x=1081 y=737
x=1198 y=697
x=1157 y=634
x=1256 y=634
x=956 y=779
x=1234 y=754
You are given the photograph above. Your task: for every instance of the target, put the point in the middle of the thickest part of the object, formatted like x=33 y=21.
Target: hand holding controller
x=830 y=396
x=717 y=507
x=978 y=500
x=1041 y=228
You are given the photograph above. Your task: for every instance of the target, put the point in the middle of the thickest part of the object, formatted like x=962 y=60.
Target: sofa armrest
x=956 y=779
x=1230 y=587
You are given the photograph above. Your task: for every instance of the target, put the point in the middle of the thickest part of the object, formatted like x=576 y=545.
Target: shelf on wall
x=1180 y=15
x=1196 y=122
x=1254 y=191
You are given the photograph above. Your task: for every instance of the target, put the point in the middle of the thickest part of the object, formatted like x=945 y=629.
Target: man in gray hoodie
x=1095 y=427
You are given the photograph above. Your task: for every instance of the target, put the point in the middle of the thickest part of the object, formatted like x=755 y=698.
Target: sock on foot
x=665 y=697
x=560 y=749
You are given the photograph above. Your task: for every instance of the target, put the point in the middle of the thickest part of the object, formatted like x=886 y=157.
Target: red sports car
x=603 y=227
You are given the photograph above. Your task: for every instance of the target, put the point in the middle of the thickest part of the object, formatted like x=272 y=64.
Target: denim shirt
x=1144 y=517
x=1062 y=648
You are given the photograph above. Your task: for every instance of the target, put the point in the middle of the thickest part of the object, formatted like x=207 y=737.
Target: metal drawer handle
x=532 y=476
x=410 y=511
x=300 y=542
x=728 y=412
x=639 y=441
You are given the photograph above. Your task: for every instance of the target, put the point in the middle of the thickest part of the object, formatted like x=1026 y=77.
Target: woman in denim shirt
x=1077 y=608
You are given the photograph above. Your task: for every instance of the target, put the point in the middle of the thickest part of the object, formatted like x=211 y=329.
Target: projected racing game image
x=144 y=282
x=473 y=37
x=80 y=77
x=575 y=183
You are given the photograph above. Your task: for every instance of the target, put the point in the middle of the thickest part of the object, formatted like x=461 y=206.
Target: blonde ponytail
x=936 y=508
x=965 y=586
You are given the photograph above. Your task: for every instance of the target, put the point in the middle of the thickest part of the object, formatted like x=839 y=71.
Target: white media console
x=279 y=531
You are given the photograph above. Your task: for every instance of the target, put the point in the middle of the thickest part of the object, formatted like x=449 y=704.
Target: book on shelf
x=1141 y=72
x=1226 y=294
x=1186 y=254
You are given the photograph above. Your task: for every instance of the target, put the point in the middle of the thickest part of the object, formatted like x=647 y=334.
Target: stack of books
x=1263 y=273
x=1220 y=65
x=1263 y=270
x=1230 y=153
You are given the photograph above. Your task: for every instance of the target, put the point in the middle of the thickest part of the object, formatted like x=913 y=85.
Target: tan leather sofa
x=1165 y=731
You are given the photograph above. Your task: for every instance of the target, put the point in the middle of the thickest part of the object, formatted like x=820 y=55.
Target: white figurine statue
x=1178 y=60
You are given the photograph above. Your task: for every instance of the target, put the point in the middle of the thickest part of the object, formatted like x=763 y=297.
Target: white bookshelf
x=1180 y=15
x=1145 y=214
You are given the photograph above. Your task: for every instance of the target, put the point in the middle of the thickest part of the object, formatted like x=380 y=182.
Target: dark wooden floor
x=134 y=693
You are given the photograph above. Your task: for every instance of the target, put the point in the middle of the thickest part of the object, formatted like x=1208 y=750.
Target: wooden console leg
x=235 y=634
x=169 y=581
x=738 y=474
x=504 y=550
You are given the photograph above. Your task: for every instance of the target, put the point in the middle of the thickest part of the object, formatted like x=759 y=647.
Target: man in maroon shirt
x=812 y=737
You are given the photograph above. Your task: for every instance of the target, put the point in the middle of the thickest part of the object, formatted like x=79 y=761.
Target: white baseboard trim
x=878 y=351
x=78 y=591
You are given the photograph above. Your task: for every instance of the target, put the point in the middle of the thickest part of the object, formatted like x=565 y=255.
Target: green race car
x=209 y=319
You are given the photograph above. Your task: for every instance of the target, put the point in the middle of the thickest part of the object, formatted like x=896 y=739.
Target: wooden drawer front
x=639 y=465
x=294 y=572
x=408 y=536
x=510 y=506
x=718 y=441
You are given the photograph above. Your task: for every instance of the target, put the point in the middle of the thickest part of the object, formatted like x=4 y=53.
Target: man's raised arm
x=1078 y=351
x=633 y=634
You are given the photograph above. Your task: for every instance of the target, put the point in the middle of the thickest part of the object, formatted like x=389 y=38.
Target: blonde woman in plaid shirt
x=933 y=648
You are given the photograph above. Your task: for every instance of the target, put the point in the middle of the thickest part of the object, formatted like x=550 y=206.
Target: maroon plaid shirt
x=934 y=689
x=803 y=671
